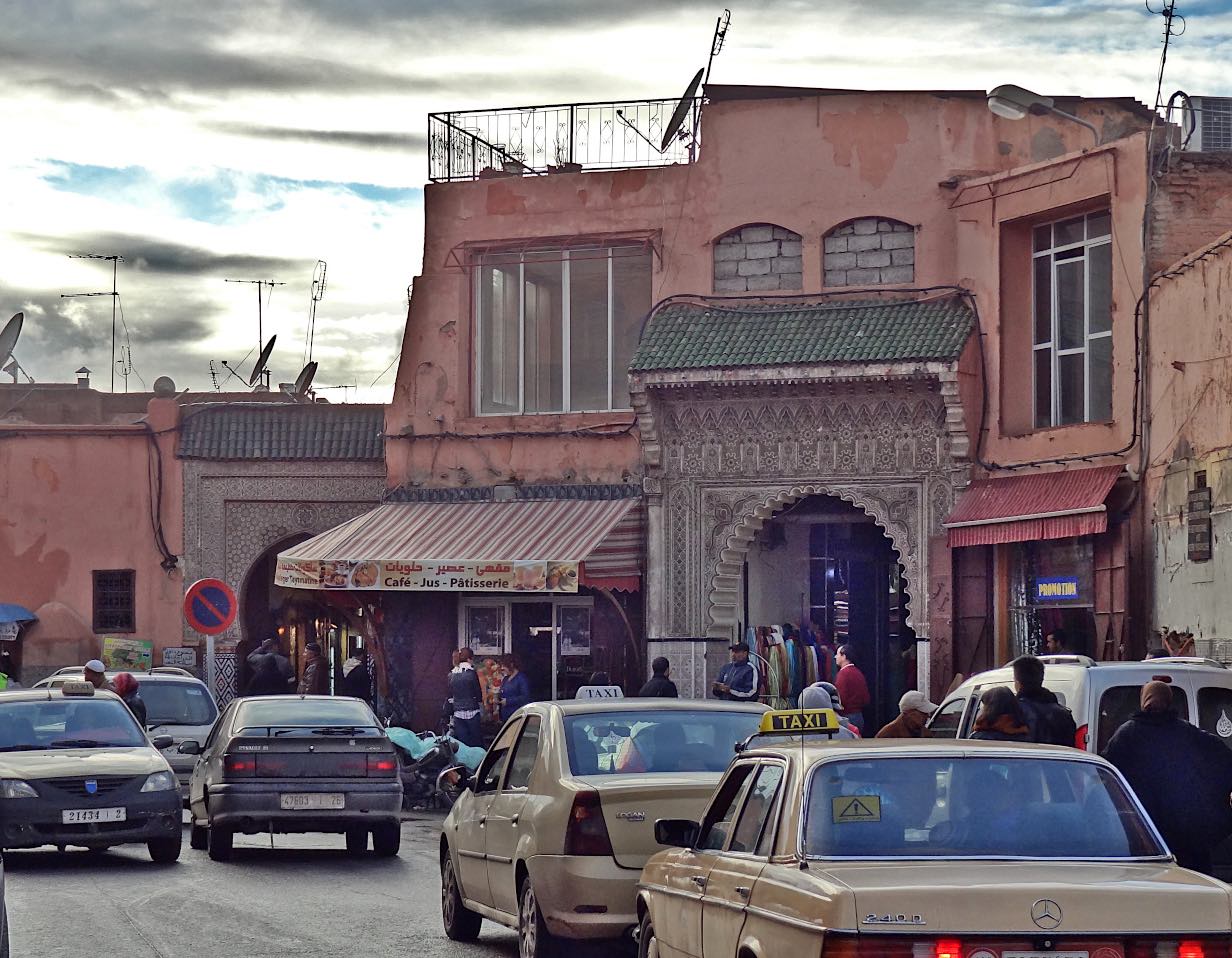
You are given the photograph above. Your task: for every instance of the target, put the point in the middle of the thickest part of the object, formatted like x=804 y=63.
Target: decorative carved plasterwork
x=728 y=457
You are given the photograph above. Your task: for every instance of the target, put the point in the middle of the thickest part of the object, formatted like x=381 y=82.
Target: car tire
x=461 y=924
x=165 y=851
x=218 y=842
x=356 y=841
x=387 y=839
x=534 y=939
x=647 y=943
x=198 y=837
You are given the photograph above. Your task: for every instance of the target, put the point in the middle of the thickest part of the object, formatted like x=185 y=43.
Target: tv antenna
x=214 y=377
x=114 y=294
x=259 y=283
x=259 y=374
x=316 y=293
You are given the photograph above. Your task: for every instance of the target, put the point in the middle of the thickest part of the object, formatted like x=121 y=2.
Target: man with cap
x=737 y=680
x=913 y=712
x=96 y=674
x=1182 y=775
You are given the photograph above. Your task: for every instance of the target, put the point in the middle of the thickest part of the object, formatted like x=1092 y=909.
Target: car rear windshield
x=655 y=740
x=305 y=712
x=972 y=808
x=177 y=703
x=68 y=723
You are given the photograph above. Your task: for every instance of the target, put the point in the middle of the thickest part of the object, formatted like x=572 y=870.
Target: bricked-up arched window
x=869 y=252
x=758 y=258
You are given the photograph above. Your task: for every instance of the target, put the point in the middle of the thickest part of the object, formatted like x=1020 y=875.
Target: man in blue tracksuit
x=737 y=680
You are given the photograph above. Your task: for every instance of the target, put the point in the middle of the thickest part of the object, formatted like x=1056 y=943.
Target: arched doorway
x=822 y=567
x=295 y=617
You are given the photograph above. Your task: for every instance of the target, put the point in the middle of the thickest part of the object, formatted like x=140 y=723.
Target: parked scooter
x=432 y=767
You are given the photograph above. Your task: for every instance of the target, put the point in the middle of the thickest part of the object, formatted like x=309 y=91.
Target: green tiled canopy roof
x=283 y=431
x=707 y=334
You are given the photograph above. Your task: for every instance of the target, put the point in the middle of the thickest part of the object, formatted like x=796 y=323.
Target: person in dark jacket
x=466 y=700
x=1000 y=718
x=659 y=686
x=737 y=680
x=315 y=680
x=126 y=687
x=357 y=678
x=1182 y=775
x=914 y=710
x=515 y=689
x=1050 y=722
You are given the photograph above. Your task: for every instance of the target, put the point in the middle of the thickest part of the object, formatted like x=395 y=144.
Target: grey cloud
x=150 y=255
x=368 y=140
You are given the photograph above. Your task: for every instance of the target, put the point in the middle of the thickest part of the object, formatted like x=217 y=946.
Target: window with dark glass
x=115 y=600
x=556 y=328
x=1072 y=320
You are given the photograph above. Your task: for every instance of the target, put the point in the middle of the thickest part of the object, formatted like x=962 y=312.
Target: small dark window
x=115 y=607
x=945 y=722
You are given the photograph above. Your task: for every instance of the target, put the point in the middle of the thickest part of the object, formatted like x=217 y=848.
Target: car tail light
x=875 y=946
x=382 y=766
x=1187 y=948
x=586 y=831
x=1190 y=949
x=1080 y=737
x=234 y=766
x=948 y=948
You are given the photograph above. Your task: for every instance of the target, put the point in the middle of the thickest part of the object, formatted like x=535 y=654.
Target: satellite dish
x=682 y=111
x=8 y=337
x=259 y=368
x=164 y=386
x=304 y=380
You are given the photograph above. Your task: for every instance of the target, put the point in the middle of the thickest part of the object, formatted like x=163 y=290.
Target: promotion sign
x=519 y=576
x=127 y=655
x=1056 y=589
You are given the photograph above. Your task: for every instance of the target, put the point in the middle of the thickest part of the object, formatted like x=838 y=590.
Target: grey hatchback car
x=295 y=763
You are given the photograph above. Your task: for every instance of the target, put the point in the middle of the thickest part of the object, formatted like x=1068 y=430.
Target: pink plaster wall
x=75 y=499
x=807 y=163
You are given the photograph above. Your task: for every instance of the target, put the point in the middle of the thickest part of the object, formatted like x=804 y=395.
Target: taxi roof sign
x=799 y=721
x=77 y=688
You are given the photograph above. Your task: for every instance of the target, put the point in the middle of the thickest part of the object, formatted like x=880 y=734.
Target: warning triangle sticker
x=856 y=808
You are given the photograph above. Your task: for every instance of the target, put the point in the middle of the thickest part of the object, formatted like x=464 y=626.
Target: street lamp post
x=1014 y=103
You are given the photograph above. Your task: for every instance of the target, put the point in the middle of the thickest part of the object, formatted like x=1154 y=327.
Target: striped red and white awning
x=404 y=544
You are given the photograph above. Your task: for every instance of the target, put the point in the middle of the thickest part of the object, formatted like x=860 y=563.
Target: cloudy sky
x=250 y=139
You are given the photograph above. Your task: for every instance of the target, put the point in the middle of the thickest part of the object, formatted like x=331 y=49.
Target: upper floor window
x=758 y=258
x=557 y=328
x=115 y=600
x=1072 y=309
x=872 y=251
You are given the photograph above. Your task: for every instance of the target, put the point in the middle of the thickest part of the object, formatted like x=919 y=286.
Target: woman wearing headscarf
x=1000 y=718
x=126 y=687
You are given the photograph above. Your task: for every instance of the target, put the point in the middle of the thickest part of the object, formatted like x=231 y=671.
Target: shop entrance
x=823 y=574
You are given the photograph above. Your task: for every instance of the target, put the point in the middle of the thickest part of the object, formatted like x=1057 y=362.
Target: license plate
x=312 y=800
x=87 y=816
x=1045 y=954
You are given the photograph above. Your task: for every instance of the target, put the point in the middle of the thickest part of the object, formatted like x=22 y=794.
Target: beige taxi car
x=551 y=834
x=922 y=849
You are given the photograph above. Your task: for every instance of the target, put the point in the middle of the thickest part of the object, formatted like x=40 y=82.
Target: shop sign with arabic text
x=394 y=576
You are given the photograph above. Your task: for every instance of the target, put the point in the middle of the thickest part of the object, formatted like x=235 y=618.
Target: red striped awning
x=519 y=546
x=1050 y=505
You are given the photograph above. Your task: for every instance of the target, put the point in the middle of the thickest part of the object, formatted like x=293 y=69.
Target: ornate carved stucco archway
x=895 y=509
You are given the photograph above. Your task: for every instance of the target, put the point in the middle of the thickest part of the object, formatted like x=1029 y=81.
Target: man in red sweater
x=852 y=688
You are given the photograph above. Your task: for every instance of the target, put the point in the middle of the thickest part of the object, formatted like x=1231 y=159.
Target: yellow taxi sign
x=799 y=720
x=77 y=688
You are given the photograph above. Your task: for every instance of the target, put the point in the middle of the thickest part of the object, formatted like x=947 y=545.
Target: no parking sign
x=210 y=606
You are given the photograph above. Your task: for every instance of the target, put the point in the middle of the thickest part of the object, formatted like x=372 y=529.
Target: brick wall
x=869 y=252
x=758 y=258
x=1192 y=207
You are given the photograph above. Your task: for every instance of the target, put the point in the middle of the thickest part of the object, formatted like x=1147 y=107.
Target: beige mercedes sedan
x=551 y=834
x=928 y=849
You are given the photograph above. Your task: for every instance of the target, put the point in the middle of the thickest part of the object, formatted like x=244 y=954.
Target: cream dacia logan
x=552 y=832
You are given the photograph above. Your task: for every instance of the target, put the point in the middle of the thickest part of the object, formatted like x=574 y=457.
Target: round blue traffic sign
x=210 y=606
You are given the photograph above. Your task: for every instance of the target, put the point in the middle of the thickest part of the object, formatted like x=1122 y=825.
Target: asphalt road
x=304 y=898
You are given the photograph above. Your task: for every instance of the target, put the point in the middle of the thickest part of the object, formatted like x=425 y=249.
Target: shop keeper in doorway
x=852 y=688
x=737 y=680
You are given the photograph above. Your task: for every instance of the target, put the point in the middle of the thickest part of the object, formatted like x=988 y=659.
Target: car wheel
x=461 y=924
x=387 y=839
x=647 y=943
x=357 y=841
x=534 y=939
x=198 y=838
x=218 y=842
x=164 y=851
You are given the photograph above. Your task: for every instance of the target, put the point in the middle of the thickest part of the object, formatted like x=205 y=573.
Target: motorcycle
x=432 y=767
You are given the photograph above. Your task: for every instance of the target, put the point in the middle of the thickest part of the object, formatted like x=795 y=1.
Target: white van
x=1103 y=695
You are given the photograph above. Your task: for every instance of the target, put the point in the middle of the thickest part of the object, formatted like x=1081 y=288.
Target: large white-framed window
x=1072 y=320
x=556 y=328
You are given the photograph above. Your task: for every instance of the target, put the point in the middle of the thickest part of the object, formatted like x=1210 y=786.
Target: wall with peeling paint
x=806 y=163
x=1191 y=434
x=74 y=499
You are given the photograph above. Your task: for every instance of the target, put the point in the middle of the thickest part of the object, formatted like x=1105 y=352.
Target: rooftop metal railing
x=556 y=138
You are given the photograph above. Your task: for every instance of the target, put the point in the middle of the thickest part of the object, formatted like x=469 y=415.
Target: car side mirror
x=187 y=747
x=676 y=832
x=161 y=742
